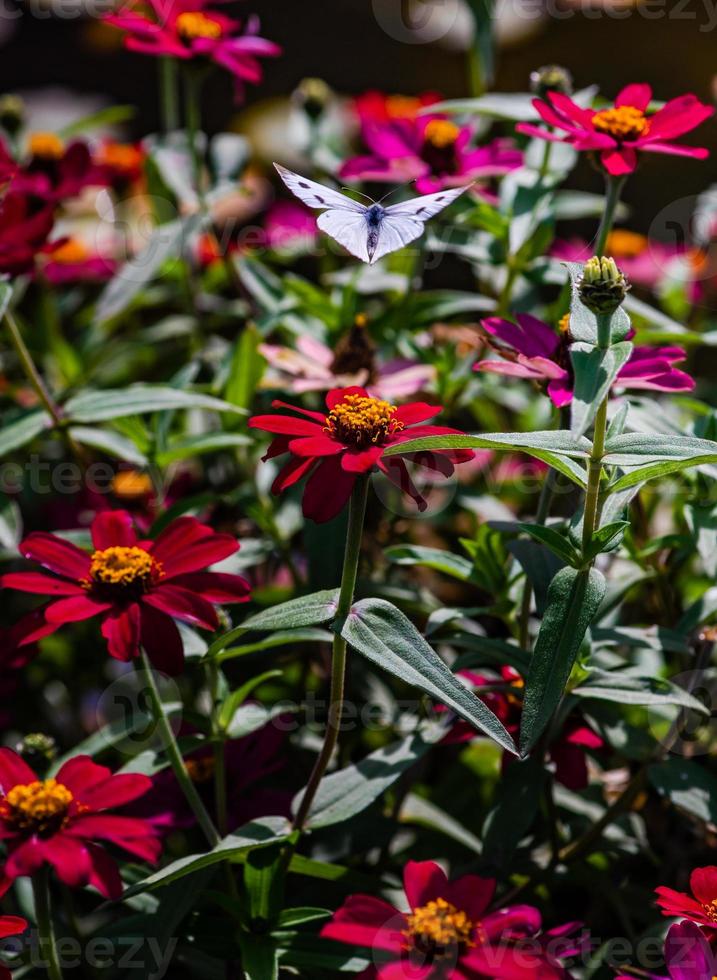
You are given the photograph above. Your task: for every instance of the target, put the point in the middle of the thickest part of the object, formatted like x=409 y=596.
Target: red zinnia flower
x=10 y=925
x=60 y=822
x=188 y=29
x=619 y=132
x=55 y=171
x=25 y=225
x=446 y=934
x=336 y=447
x=138 y=588
x=702 y=908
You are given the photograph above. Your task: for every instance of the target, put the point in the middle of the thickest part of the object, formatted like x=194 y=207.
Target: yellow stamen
x=124 y=566
x=37 y=808
x=564 y=324
x=441 y=133
x=194 y=24
x=70 y=252
x=438 y=925
x=200 y=770
x=359 y=421
x=625 y=244
x=47 y=146
x=624 y=123
x=132 y=485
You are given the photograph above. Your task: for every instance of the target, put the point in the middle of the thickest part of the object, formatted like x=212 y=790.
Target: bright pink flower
x=688 y=955
x=62 y=822
x=376 y=107
x=334 y=448
x=55 y=171
x=10 y=925
x=701 y=906
x=619 y=132
x=290 y=226
x=137 y=588
x=431 y=150
x=70 y=261
x=190 y=30
x=25 y=226
x=531 y=349
x=645 y=261
x=447 y=934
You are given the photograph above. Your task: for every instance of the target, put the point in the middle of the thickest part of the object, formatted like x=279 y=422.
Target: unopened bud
x=313 y=95
x=38 y=750
x=551 y=78
x=12 y=113
x=602 y=286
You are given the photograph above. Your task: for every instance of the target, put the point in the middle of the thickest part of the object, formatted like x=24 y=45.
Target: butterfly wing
x=315 y=195
x=349 y=230
x=425 y=207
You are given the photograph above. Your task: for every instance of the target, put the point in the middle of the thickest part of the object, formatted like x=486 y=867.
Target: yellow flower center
x=200 y=770
x=402 y=107
x=70 y=252
x=564 y=324
x=360 y=421
x=623 y=123
x=441 y=133
x=194 y=24
x=625 y=244
x=710 y=909
x=47 y=146
x=132 y=485
x=439 y=925
x=37 y=808
x=124 y=567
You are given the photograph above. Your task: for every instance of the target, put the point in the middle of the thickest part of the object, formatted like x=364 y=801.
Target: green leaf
x=209 y=442
x=607 y=538
x=237 y=698
x=282 y=638
x=518 y=797
x=112 y=443
x=23 y=430
x=441 y=561
x=111 y=116
x=349 y=791
x=604 y=685
x=595 y=371
x=573 y=600
x=558 y=543
x=382 y=634
x=419 y=811
x=688 y=786
x=246 y=369
x=266 y=830
x=559 y=448
x=137 y=399
x=298 y=916
x=650 y=456
x=259 y=956
x=515 y=106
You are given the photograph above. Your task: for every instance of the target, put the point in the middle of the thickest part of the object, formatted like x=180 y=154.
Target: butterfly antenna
x=353 y=190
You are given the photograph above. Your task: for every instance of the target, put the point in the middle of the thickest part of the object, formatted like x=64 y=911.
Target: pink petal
x=113 y=528
x=423 y=882
x=637 y=95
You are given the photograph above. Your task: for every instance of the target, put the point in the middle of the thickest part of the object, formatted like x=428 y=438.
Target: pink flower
x=447 y=934
x=701 y=906
x=619 y=132
x=688 y=955
x=532 y=349
x=429 y=149
x=55 y=171
x=72 y=261
x=290 y=226
x=376 y=107
x=190 y=30
x=643 y=260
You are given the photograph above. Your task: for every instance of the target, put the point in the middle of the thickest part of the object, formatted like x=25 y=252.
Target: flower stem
x=546 y=498
x=45 y=928
x=357 y=511
x=612 y=199
x=592 y=494
x=175 y=757
x=168 y=94
x=193 y=90
x=220 y=768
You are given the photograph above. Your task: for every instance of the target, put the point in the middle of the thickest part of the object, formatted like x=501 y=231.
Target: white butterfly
x=367 y=231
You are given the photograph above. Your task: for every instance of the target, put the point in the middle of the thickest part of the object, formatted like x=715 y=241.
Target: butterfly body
x=367 y=231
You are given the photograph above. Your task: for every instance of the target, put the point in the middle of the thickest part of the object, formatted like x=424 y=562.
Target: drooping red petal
x=113 y=528
x=619 y=161
x=162 y=641
x=361 y=460
x=219 y=587
x=121 y=630
x=11 y=925
x=130 y=833
x=327 y=490
x=291 y=473
x=74 y=609
x=104 y=873
x=183 y=605
x=423 y=882
x=69 y=858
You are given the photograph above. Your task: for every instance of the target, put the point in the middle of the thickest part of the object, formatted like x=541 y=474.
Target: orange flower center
x=194 y=24
x=438 y=926
x=46 y=146
x=625 y=244
x=132 y=485
x=123 y=567
x=200 y=770
x=121 y=156
x=441 y=133
x=360 y=421
x=37 y=808
x=623 y=123
x=70 y=252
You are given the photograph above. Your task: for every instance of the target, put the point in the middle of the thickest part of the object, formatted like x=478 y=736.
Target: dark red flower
x=447 y=934
x=55 y=171
x=138 y=588
x=619 y=132
x=25 y=225
x=336 y=447
x=63 y=822
x=701 y=906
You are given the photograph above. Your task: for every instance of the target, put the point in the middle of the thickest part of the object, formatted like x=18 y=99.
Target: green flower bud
x=313 y=95
x=12 y=114
x=602 y=287
x=551 y=78
x=38 y=750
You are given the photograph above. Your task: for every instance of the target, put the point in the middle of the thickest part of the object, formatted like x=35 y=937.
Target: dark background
x=671 y=46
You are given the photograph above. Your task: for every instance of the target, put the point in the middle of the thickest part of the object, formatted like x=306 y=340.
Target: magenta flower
x=189 y=30
x=701 y=906
x=688 y=955
x=71 y=261
x=532 y=349
x=429 y=149
x=619 y=132
x=290 y=226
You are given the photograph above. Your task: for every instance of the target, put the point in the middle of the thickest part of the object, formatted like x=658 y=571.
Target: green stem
x=357 y=511
x=168 y=95
x=175 y=757
x=592 y=494
x=45 y=928
x=193 y=92
x=612 y=199
x=220 y=769
x=503 y=305
x=33 y=375
x=546 y=498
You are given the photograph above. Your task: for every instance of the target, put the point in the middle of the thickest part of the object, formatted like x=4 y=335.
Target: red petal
x=183 y=605
x=74 y=609
x=290 y=474
x=423 y=882
x=637 y=95
x=471 y=894
x=14 y=771
x=284 y=425
x=80 y=774
x=113 y=528
x=361 y=460
x=327 y=491
x=104 y=873
x=621 y=160
x=121 y=630
x=69 y=858
x=416 y=412
x=321 y=445
x=11 y=925
x=678 y=117
x=215 y=586
x=160 y=638
x=337 y=395
x=39 y=584
x=129 y=833
x=703 y=882
x=59 y=556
